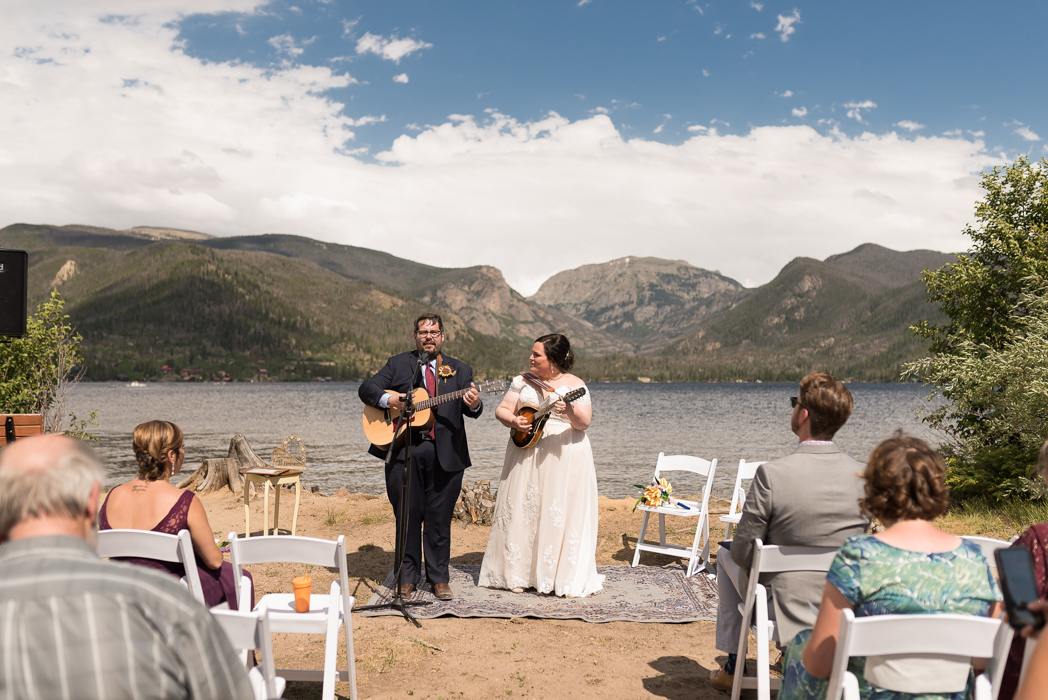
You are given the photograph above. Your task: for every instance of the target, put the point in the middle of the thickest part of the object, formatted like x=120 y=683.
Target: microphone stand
x=406 y=414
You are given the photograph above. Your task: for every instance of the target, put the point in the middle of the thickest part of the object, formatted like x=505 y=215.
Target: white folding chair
x=154 y=545
x=909 y=641
x=769 y=558
x=988 y=545
x=1028 y=650
x=701 y=511
x=747 y=470
x=248 y=631
x=326 y=612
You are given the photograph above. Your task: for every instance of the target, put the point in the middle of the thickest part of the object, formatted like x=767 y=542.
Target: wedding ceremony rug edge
x=640 y=594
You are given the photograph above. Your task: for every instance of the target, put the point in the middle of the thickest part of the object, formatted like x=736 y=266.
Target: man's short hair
x=829 y=404
x=435 y=318
x=59 y=489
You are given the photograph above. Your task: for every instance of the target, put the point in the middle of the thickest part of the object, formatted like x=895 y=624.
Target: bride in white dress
x=544 y=532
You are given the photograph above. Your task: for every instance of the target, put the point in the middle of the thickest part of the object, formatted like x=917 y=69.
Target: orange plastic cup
x=303 y=587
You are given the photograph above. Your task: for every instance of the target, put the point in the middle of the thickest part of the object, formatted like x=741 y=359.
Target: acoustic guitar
x=379 y=423
x=537 y=417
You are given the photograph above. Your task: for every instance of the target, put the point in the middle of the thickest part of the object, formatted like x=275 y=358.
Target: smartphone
x=1015 y=567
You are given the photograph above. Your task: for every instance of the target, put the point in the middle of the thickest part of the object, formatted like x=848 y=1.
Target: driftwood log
x=475 y=505
x=214 y=474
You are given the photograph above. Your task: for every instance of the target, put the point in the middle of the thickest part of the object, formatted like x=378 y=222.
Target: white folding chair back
x=146 y=544
x=326 y=612
x=769 y=558
x=248 y=631
x=696 y=560
x=988 y=545
x=912 y=640
x=1028 y=650
x=747 y=470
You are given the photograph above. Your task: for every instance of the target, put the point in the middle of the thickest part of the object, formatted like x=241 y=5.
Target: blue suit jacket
x=451 y=444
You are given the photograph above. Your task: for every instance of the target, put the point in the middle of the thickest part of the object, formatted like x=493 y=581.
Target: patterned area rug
x=641 y=594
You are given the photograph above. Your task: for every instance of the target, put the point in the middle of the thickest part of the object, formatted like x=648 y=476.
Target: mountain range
x=289 y=307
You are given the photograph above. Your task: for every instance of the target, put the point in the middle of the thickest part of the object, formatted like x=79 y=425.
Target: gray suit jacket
x=810 y=498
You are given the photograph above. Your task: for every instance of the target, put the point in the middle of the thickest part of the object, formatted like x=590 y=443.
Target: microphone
x=424 y=358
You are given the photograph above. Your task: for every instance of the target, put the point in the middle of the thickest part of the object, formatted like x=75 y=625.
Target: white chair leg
x=351 y=663
x=763 y=665
x=740 y=661
x=662 y=529
x=850 y=687
x=331 y=644
x=640 y=538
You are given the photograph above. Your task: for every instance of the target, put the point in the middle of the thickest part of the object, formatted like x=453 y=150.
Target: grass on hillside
x=1002 y=521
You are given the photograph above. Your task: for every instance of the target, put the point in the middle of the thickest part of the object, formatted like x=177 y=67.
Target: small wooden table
x=289 y=476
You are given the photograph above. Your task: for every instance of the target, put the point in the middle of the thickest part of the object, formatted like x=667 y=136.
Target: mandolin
x=380 y=422
x=538 y=417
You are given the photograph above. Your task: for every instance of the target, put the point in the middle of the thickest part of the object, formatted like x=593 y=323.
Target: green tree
x=980 y=293
x=990 y=361
x=36 y=371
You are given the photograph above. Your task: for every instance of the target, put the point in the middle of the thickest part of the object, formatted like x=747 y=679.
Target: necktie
x=431 y=387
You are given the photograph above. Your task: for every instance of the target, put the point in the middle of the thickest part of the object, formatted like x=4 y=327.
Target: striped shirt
x=74 y=626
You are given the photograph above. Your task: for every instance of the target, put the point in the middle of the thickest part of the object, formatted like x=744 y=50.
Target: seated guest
x=1036 y=540
x=151 y=503
x=909 y=568
x=808 y=498
x=79 y=627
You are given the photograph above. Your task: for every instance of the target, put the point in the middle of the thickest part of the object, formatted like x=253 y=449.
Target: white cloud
x=855 y=109
x=758 y=35
x=348 y=26
x=403 y=78
x=785 y=26
x=364 y=121
x=800 y=111
x=788 y=93
x=953 y=133
x=756 y=5
x=285 y=43
x=666 y=118
x=977 y=134
x=392 y=49
x=233 y=149
x=910 y=126
x=1024 y=131
x=705 y=73
x=719 y=29
x=660 y=38
x=583 y=2
x=600 y=110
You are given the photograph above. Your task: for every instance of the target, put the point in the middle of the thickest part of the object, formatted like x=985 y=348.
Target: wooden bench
x=20 y=425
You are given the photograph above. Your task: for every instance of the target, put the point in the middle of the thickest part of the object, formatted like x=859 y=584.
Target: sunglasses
x=795 y=402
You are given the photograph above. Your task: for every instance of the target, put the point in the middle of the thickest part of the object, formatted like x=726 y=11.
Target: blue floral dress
x=878 y=579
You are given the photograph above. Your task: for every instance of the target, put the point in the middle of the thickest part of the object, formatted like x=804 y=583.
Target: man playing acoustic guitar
x=439 y=455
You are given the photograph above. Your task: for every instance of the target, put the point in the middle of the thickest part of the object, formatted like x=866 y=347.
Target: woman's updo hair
x=153 y=441
x=558 y=350
x=904 y=481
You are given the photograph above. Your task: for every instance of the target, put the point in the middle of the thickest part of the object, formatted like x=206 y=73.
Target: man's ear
x=92 y=502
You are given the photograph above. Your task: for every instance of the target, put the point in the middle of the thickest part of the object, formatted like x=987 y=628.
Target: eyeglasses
x=795 y=402
x=429 y=334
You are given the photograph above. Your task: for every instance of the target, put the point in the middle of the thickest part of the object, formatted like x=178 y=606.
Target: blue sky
x=533 y=137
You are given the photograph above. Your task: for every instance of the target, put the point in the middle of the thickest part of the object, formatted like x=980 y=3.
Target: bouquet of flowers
x=655 y=495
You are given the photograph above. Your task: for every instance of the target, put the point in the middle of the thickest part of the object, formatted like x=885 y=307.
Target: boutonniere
x=445 y=371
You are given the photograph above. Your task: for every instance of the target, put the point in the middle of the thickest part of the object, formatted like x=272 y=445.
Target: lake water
x=632 y=423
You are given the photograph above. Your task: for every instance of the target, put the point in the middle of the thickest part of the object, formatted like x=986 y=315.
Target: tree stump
x=475 y=505
x=213 y=474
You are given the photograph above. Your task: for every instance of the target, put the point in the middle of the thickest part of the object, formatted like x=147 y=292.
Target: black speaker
x=14 y=288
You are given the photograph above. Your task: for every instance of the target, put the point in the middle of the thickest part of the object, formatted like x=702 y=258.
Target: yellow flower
x=445 y=371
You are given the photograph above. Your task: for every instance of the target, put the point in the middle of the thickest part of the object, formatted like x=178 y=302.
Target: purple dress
x=219 y=584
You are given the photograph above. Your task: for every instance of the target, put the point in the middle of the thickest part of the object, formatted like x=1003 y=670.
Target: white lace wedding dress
x=544 y=532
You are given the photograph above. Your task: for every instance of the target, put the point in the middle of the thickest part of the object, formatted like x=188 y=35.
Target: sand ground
x=480 y=657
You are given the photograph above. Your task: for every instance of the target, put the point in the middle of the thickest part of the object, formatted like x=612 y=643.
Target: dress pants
x=432 y=495
x=729 y=593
